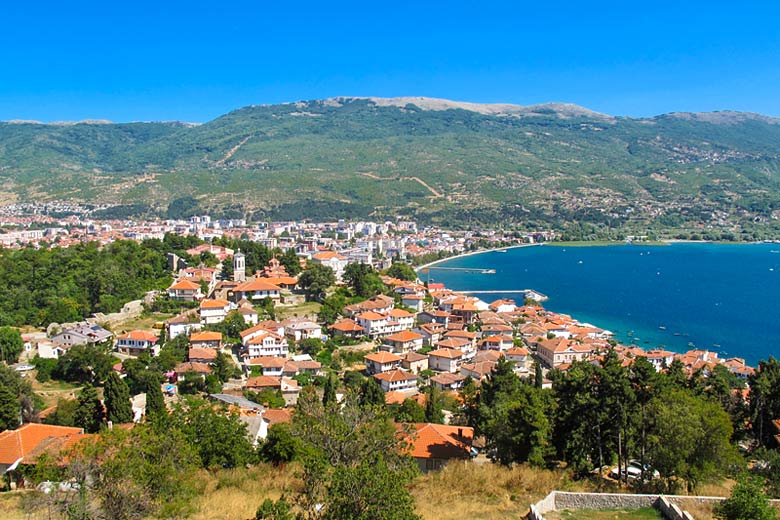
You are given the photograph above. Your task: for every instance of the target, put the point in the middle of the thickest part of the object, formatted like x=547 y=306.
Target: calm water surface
x=713 y=296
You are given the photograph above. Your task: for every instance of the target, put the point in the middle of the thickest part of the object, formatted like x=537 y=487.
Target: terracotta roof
x=448 y=353
x=447 y=378
x=139 y=335
x=411 y=357
x=184 y=285
x=214 y=304
x=461 y=334
x=264 y=382
x=202 y=353
x=277 y=415
x=454 y=343
x=403 y=336
x=517 y=351
x=327 y=255
x=395 y=375
x=346 y=325
x=438 y=441
x=394 y=397
x=206 y=336
x=192 y=366
x=259 y=284
x=267 y=326
x=16 y=444
x=371 y=316
x=400 y=313
x=267 y=362
x=382 y=357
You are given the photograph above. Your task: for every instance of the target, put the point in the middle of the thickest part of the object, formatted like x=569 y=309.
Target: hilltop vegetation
x=539 y=166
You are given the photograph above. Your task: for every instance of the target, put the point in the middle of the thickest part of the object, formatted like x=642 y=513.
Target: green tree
x=765 y=400
x=519 y=428
x=363 y=280
x=280 y=446
x=315 y=281
x=433 y=405
x=402 y=271
x=155 y=403
x=409 y=411
x=10 y=411
x=117 y=398
x=217 y=434
x=371 y=393
x=747 y=502
x=291 y=262
x=64 y=414
x=278 y=510
x=89 y=413
x=224 y=368
x=690 y=438
x=329 y=392
x=11 y=344
x=85 y=364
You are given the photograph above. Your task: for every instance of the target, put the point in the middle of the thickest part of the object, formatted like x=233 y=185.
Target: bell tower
x=239 y=267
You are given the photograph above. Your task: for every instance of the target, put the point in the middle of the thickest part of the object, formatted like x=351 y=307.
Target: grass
x=145 y=321
x=645 y=513
x=52 y=391
x=236 y=494
x=307 y=309
x=485 y=491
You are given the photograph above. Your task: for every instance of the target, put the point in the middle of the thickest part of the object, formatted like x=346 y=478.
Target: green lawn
x=645 y=513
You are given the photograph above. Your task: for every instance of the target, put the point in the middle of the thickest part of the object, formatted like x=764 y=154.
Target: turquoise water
x=712 y=296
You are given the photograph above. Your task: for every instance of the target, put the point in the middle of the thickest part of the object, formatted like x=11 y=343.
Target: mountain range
x=439 y=161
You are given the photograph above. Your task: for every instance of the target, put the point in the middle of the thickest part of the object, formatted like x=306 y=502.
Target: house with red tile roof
x=382 y=361
x=448 y=381
x=397 y=380
x=25 y=444
x=136 y=342
x=414 y=362
x=206 y=339
x=201 y=355
x=185 y=290
x=559 y=351
x=214 y=311
x=434 y=445
x=445 y=359
x=402 y=342
x=347 y=328
x=257 y=289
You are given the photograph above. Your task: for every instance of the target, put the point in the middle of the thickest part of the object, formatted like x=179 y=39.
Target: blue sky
x=193 y=61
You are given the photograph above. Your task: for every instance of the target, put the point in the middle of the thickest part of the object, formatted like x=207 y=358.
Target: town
x=337 y=306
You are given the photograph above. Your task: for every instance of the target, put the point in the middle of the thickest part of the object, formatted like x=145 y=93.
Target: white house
x=378 y=362
x=300 y=328
x=214 y=311
x=333 y=260
x=396 y=380
x=445 y=359
x=49 y=350
x=136 y=342
x=266 y=344
x=402 y=342
x=257 y=289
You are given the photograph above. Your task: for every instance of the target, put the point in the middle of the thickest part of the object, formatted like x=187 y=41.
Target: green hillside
x=549 y=165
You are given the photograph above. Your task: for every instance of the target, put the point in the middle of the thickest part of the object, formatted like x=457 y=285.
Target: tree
x=538 y=375
x=117 y=398
x=409 y=411
x=696 y=448
x=371 y=394
x=89 y=413
x=217 y=434
x=279 y=510
x=224 y=368
x=11 y=344
x=329 y=393
x=291 y=262
x=747 y=502
x=402 y=271
x=433 y=407
x=519 y=428
x=315 y=280
x=85 y=364
x=765 y=400
x=155 y=403
x=10 y=411
x=363 y=280
x=280 y=446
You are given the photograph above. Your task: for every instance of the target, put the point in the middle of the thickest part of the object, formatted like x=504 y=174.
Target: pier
x=464 y=269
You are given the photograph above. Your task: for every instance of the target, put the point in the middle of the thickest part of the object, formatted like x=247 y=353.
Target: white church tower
x=239 y=267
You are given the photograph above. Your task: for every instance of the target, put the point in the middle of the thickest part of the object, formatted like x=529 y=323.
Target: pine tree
x=117 y=398
x=538 y=375
x=329 y=394
x=155 y=404
x=89 y=411
x=371 y=393
x=9 y=409
x=433 y=411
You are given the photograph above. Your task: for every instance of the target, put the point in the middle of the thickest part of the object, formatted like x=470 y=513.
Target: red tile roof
x=438 y=441
x=16 y=444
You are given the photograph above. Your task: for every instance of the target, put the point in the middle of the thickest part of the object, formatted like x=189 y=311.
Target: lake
x=720 y=297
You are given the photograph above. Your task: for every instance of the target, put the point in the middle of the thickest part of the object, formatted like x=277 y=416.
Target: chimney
x=460 y=433
x=110 y=425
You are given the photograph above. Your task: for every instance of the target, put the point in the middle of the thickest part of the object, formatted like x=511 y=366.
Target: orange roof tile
x=139 y=335
x=382 y=357
x=214 y=304
x=438 y=441
x=405 y=335
x=16 y=444
x=206 y=336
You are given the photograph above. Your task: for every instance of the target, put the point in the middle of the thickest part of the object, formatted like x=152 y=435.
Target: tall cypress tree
x=155 y=404
x=433 y=411
x=89 y=411
x=117 y=398
x=9 y=409
x=329 y=393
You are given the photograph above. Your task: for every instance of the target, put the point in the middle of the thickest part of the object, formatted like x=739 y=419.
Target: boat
x=501 y=251
x=488 y=271
x=662 y=327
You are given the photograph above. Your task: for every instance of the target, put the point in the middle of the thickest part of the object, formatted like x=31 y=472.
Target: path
x=232 y=151
x=425 y=185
